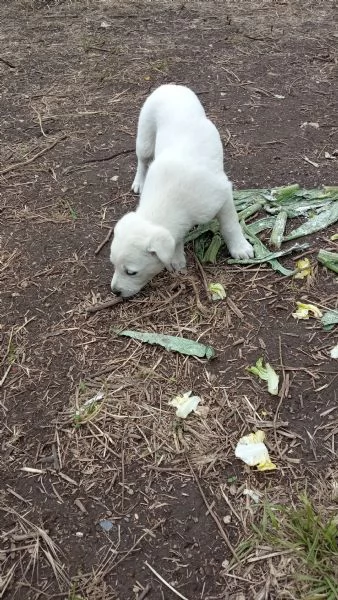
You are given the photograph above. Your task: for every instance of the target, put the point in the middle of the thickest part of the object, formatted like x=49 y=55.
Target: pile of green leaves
x=318 y=208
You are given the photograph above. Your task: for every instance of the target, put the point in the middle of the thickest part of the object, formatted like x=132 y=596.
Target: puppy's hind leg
x=231 y=230
x=145 y=146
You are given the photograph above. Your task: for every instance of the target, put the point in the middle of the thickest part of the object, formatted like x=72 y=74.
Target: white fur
x=182 y=183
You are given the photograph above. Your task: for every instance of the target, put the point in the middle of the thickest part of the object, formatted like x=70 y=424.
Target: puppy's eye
x=130 y=273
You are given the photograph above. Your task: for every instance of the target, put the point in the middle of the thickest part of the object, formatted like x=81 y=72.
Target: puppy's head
x=138 y=252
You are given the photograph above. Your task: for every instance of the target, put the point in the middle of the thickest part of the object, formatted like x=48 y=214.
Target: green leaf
x=258 y=226
x=329 y=319
x=250 y=210
x=281 y=194
x=213 y=227
x=210 y=255
x=244 y=198
x=172 y=343
x=316 y=223
x=328 y=259
x=277 y=233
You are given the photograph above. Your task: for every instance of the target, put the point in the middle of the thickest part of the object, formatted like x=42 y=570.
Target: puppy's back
x=173 y=104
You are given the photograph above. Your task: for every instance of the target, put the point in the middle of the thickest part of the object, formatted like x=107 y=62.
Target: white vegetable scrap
x=185 y=404
x=252 y=450
x=266 y=373
x=334 y=351
x=305 y=311
x=217 y=291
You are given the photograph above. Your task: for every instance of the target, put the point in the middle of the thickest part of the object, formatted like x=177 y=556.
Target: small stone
x=106 y=525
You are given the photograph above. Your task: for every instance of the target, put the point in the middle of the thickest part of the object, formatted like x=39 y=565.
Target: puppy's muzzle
x=116 y=291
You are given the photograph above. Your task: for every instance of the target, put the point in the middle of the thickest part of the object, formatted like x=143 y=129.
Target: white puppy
x=182 y=183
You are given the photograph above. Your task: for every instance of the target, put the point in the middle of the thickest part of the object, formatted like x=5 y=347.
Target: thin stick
x=150 y=312
x=165 y=582
x=100 y=49
x=110 y=157
x=2 y=381
x=147 y=532
x=144 y=593
x=6 y=62
x=310 y=162
x=105 y=241
x=30 y=160
x=96 y=307
x=214 y=516
x=204 y=279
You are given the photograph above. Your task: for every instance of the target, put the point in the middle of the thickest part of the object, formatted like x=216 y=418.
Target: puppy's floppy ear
x=163 y=245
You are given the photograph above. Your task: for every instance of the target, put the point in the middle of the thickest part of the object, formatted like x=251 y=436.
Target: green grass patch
x=312 y=539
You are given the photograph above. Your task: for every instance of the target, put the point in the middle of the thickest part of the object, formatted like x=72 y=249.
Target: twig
x=144 y=593
x=228 y=140
x=311 y=162
x=100 y=49
x=40 y=122
x=105 y=241
x=30 y=160
x=96 y=307
x=282 y=395
x=147 y=532
x=6 y=62
x=110 y=157
x=2 y=381
x=204 y=279
x=165 y=582
x=150 y=312
x=214 y=516
x=199 y=304
x=234 y=308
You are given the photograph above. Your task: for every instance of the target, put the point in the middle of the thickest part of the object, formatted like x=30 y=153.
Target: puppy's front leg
x=141 y=172
x=231 y=230
x=179 y=262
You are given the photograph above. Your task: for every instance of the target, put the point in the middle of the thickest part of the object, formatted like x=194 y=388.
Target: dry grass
x=26 y=550
x=125 y=456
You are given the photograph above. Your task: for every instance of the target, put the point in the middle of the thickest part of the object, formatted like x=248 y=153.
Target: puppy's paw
x=241 y=250
x=179 y=265
x=137 y=186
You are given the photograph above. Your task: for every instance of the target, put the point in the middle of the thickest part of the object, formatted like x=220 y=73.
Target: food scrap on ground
x=328 y=259
x=317 y=207
x=170 y=342
x=334 y=351
x=304 y=269
x=252 y=450
x=185 y=404
x=267 y=373
x=305 y=311
x=217 y=291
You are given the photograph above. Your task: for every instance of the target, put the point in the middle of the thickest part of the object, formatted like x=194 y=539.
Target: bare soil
x=74 y=75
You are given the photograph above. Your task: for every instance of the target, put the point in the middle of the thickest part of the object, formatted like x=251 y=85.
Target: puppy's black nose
x=117 y=292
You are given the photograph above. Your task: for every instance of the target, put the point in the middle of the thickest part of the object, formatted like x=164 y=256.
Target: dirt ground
x=74 y=75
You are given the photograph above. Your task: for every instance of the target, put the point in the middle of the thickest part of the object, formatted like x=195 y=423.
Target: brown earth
x=73 y=78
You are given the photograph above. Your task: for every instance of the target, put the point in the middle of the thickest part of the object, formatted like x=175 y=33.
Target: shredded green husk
x=277 y=233
x=328 y=259
x=319 y=208
x=250 y=210
x=210 y=256
x=316 y=223
x=212 y=227
x=172 y=343
x=266 y=373
x=282 y=194
x=329 y=319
